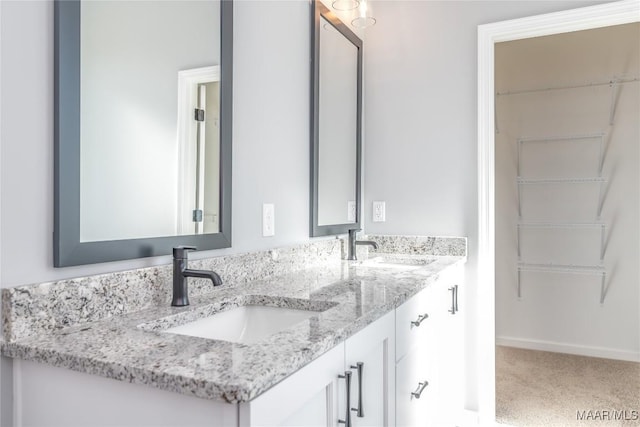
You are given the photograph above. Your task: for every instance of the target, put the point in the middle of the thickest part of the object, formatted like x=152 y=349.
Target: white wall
x=562 y=312
x=271 y=135
x=421 y=127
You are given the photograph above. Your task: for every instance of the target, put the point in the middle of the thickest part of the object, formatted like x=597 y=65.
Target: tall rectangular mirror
x=143 y=109
x=336 y=106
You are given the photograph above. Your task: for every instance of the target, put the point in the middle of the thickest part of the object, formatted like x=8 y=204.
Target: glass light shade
x=364 y=18
x=345 y=4
x=363 y=22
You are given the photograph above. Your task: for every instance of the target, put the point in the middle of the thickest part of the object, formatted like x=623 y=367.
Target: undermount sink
x=405 y=262
x=246 y=324
x=242 y=319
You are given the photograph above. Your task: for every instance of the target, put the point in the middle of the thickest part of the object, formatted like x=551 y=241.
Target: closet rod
x=607 y=83
x=561 y=224
x=560 y=180
x=561 y=138
x=559 y=268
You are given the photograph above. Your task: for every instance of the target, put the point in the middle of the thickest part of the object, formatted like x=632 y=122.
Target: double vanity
x=294 y=336
x=307 y=335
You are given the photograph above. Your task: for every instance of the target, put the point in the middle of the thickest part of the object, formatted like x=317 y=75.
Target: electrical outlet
x=351 y=211
x=268 y=220
x=379 y=214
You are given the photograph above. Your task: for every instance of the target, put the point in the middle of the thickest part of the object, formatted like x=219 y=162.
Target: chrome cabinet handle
x=420 y=389
x=454 y=299
x=360 y=410
x=347 y=378
x=455 y=305
x=420 y=319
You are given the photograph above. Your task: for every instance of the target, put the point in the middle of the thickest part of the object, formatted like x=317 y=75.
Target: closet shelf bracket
x=598 y=270
x=615 y=91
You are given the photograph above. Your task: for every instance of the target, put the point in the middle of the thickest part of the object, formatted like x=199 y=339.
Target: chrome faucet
x=181 y=272
x=353 y=242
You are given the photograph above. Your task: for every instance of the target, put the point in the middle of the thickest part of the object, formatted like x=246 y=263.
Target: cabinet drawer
x=412 y=373
x=415 y=322
x=453 y=275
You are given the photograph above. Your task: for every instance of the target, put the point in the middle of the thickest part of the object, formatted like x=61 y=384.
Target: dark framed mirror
x=143 y=128
x=336 y=124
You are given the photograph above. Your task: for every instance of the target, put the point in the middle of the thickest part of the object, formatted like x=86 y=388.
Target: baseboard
x=580 y=350
x=467 y=418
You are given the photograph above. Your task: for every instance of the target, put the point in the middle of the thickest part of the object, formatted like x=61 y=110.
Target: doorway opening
x=567 y=203
x=610 y=14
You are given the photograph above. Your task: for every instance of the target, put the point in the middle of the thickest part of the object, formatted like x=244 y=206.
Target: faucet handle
x=180 y=252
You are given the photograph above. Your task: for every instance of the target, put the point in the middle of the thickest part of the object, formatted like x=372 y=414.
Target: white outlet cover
x=268 y=220
x=379 y=214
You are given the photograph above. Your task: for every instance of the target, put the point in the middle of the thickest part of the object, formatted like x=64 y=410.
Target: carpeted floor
x=539 y=388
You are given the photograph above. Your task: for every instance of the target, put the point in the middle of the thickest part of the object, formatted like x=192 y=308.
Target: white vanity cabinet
x=307 y=398
x=313 y=396
x=316 y=395
x=50 y=396
x=412 y=371
x=416 y=394
x=405 y=369
x=450 y=348
x=429 y=355
x=372 y=353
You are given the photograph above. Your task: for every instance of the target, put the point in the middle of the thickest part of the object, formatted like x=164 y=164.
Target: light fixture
x=364 y=18
x=345 y=4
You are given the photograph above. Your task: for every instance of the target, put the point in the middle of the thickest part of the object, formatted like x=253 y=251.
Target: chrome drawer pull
x=454 y=299
x=360 y=410
x=420 y=389
x=347 y=378
x=420 y=319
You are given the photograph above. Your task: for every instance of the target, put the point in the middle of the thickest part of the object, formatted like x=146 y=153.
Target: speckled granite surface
x=47 y=307
x=420 y=245
x=132 y=347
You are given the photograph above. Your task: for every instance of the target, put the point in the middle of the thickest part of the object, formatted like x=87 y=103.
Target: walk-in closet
x=567 y=225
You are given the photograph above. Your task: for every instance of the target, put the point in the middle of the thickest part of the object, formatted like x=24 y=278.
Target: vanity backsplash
x=45 y=307
x=37 y=308
x=420 y=245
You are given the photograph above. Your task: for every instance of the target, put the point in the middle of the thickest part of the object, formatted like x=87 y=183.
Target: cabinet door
x=450 y=347
x=416 y=394
x=371 y=353
x=54 y=396
x=306 y=398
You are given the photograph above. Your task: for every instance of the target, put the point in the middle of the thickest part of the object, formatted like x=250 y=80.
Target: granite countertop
x=133 y=347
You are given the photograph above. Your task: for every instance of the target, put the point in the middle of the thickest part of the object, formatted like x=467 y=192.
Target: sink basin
x=404 y=262
x=242 y=319
x=245 y=324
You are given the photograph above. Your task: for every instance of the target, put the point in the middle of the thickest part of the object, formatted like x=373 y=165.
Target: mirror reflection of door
x=198 y=151
x=208 y=156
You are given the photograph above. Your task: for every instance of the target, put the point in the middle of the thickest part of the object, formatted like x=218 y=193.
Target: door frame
x=604 y=15
x=188 y=81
